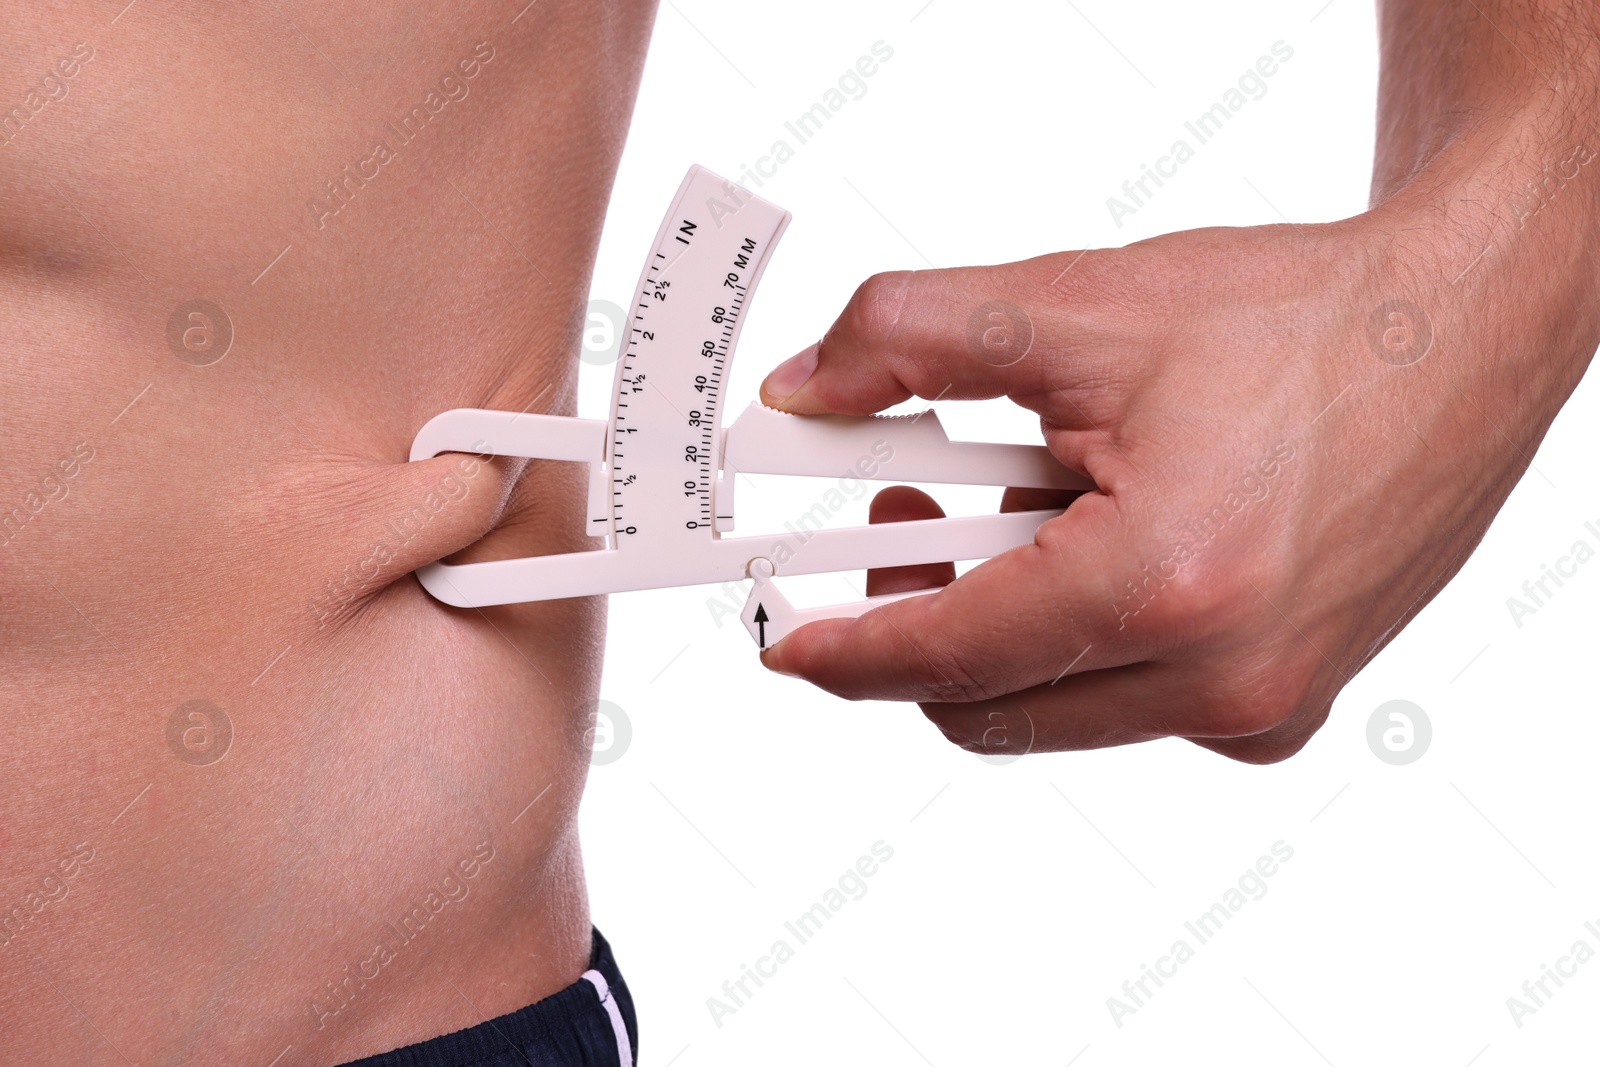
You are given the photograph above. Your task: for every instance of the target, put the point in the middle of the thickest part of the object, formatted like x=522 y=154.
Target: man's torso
x=370 y=213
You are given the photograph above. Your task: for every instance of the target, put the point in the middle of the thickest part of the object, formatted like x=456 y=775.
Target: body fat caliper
x=662 y=469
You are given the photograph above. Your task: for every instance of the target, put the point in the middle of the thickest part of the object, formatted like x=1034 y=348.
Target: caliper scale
x=662 y=468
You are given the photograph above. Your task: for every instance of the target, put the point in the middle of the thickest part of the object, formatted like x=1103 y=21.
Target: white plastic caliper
x=662 y=469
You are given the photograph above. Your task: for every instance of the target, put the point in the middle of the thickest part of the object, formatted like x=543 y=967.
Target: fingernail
x=791 y=374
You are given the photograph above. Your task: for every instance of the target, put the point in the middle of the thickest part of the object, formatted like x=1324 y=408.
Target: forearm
x=1502 y=83
x=1487 y=181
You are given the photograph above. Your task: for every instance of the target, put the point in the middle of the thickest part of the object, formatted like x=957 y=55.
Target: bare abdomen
x=246 y=254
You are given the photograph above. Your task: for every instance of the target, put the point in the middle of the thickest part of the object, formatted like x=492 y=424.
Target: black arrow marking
x=761 y=624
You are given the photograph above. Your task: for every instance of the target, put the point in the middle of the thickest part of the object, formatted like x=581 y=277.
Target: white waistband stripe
x=624 y=1046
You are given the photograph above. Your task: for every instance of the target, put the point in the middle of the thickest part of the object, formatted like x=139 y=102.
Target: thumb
x=965 y=333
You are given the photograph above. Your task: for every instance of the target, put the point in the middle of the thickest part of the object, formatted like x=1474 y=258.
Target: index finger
x=1024 y=618
x=964 y=333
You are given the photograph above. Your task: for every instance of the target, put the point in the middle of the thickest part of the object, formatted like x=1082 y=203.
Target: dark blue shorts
x=588 y=1024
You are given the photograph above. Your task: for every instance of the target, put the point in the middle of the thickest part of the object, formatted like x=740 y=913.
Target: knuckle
x=873 y=313
x=1247 y=715
x=1206 y=594
x=1259 y=697
x=1181 y=597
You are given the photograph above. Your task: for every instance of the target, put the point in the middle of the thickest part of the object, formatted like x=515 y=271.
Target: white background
x=1020 y=897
